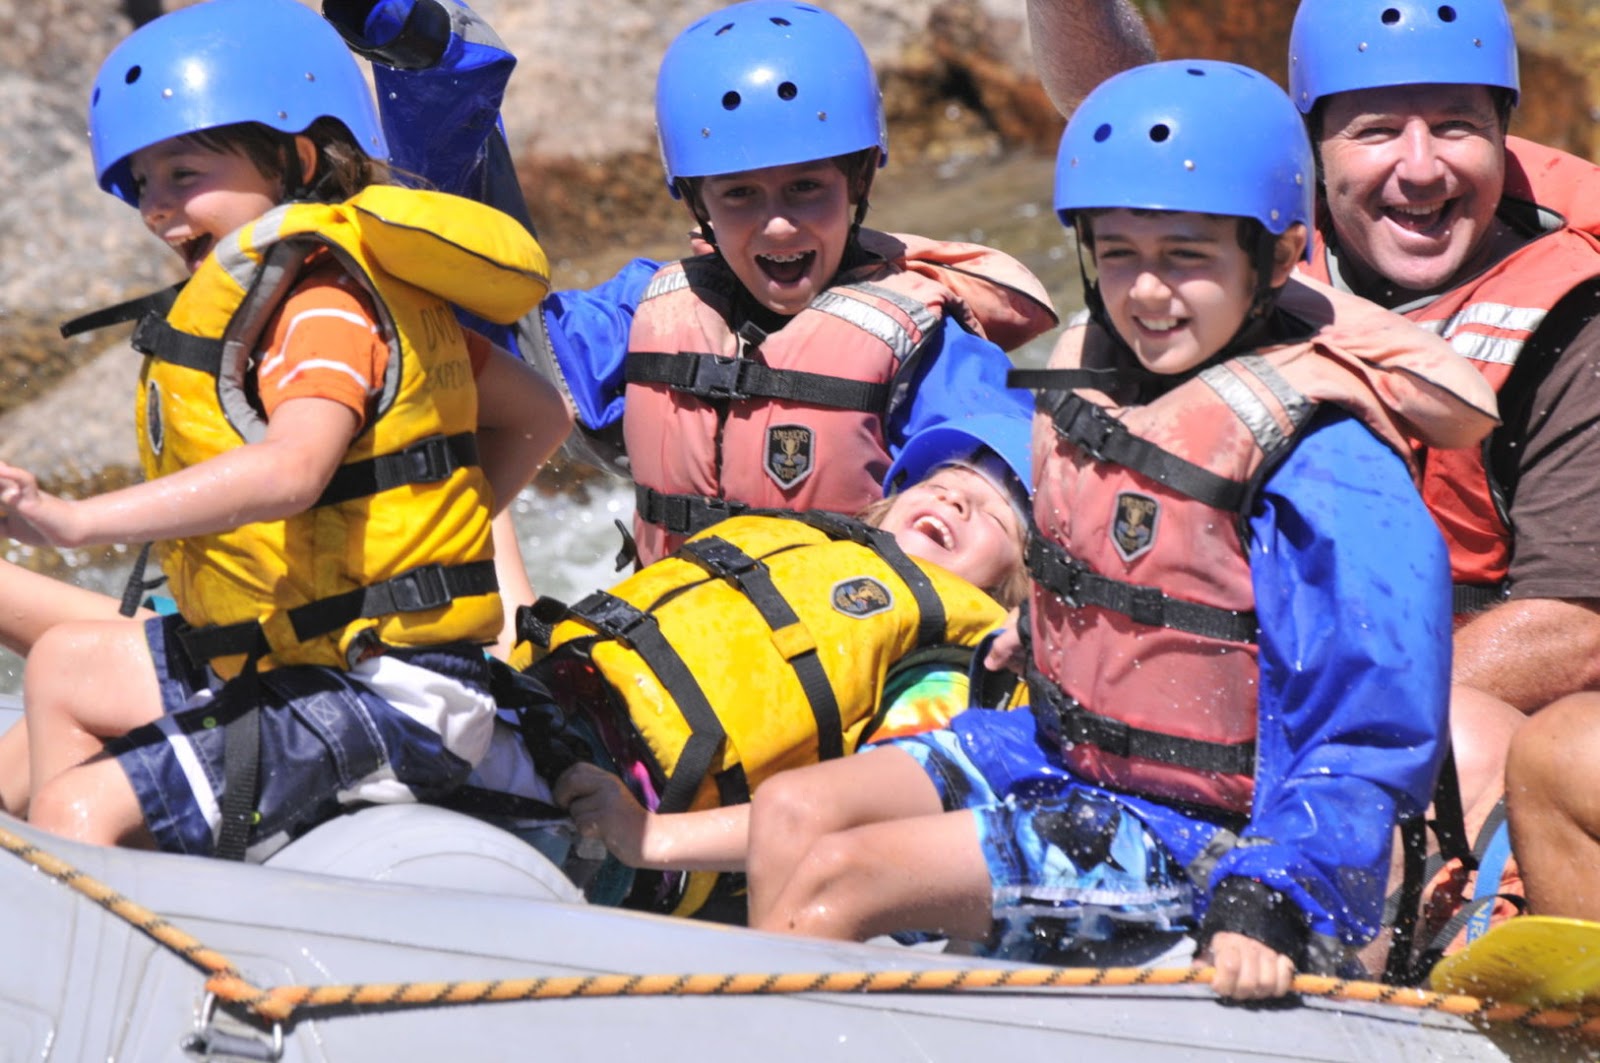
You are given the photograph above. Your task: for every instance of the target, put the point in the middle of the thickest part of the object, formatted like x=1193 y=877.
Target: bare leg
x=794 y=809
x=85 y=681
x=31 y=604
x=1554 y=810
x=926 y=873
x=93 y=803
x=1481 y=728
x=14 y=770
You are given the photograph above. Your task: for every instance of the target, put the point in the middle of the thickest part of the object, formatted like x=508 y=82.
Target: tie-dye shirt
x=919 y=699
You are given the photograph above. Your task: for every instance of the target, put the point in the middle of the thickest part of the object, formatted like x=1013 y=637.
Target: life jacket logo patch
x=154 y=431
x=862 y=596
x=790 y=454
x=1133 y=528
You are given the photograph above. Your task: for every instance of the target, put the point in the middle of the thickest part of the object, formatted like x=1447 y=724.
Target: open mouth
x=786 y=269
x=194 y=250
x=936 y=530
x=1422 y=220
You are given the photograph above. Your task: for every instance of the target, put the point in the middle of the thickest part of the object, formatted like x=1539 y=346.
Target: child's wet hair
x=342 y=169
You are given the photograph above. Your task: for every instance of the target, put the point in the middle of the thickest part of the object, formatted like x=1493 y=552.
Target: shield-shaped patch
x=791 y=454
x=1133 y=528
x=861 y=596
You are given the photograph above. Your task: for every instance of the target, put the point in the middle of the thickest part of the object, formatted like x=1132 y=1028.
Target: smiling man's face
x=1412 y=176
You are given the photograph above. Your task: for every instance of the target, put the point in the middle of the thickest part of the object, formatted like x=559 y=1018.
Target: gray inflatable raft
x=455 y=905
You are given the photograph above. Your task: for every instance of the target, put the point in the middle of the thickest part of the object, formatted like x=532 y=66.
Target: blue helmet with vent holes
x=765 y=83
x=219 y=63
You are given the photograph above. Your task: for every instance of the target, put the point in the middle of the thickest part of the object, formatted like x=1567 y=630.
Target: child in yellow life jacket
x=322 y=447
x=770 y=641
x=1240 y=615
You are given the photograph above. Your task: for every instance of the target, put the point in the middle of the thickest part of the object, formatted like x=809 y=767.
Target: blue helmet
x=217 y=63
x=1344 y=45
x=977 y=441
x=1188 y=135
x=765 y=83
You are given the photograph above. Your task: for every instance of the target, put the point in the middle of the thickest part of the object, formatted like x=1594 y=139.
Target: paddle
x=1542 y=961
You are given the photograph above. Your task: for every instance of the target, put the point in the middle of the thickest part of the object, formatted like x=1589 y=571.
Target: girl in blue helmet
x=1224 y=729
x=322 y=449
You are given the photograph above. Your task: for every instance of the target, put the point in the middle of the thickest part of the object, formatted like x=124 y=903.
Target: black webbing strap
x=204 y=644
x=1100 y=435
x=754 y=580
x=423 y=462
x=241 y=770
x=716 y=377
x=154 y=337
x=683 y=514
x=1449 y=821
x=931 y=623
x=158 y=303
x=1063 y=720
x=1399 y=968
x=1476 y=597
x=421 y=588
x=1078 y=585
x=639 y=631
x=417 y=590
x=134 y=590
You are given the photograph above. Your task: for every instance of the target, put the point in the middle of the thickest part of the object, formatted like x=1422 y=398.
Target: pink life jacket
x=1144 y=640
x=718 y=421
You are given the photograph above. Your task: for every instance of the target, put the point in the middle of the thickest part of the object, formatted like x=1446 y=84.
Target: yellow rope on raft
x=281 y=1003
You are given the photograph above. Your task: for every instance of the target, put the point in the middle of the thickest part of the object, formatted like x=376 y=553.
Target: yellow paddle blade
x=1537 y=960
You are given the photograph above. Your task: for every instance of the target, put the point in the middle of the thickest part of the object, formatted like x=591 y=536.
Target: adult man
x=1429 y=208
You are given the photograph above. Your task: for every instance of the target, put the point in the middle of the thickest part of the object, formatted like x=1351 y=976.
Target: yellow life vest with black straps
x=397 y=551
x=762 y=644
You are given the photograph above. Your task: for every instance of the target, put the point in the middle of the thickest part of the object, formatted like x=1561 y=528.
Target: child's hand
x=602 y=807
x=1005 y=652
x=1246 y=969
x=29 y=515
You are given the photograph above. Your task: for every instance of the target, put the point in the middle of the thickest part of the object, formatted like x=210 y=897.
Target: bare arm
x=712 y=839
x=522 y=421
x=1531 y=651
x=278 y=477
x=1079 y=43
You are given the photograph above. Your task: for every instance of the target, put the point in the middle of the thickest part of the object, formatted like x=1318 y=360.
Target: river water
x=565 y=523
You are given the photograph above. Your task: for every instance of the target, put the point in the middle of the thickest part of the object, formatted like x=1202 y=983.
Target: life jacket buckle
x=719 y=377
x=1086 y=426
x=420 y=589
x=428 y=460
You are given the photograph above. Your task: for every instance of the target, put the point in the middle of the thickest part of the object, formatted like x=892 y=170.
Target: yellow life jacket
x=761 y=644
x=397 y=551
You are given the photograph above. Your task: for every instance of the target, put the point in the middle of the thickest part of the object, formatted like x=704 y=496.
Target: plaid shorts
x=405 y=726
x=1068 y=862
